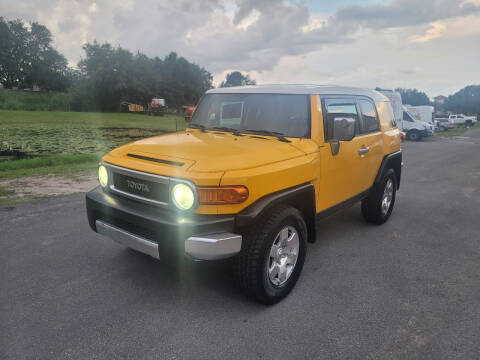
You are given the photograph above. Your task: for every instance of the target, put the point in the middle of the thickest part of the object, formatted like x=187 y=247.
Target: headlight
x=183 y=197
x=103 y=176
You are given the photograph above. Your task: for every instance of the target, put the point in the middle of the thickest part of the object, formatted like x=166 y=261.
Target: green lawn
x=69 y=142
x=65 y=164
x=43 y=132
x=457 y=131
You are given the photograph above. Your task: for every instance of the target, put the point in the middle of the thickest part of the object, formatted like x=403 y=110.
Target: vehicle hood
x=213 y=151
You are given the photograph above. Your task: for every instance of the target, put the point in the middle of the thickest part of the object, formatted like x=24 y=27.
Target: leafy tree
x=28 y=58
x=466 y=101
x=413 y=97
x=14 y=64
x=112 y=75
x=236 y=78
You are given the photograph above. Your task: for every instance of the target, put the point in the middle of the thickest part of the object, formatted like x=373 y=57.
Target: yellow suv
x=248 y=178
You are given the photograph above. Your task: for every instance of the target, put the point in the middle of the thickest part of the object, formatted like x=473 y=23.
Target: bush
x=26 y=100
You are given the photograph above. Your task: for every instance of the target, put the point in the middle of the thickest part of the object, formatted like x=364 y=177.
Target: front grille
x=141 y=187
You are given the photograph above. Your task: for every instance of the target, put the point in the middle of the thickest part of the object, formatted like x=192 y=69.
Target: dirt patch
x=49 y=185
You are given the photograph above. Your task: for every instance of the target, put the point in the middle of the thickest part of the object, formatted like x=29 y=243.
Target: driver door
x=341 y=173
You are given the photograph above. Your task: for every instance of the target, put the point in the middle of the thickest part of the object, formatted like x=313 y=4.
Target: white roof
x=300 y=89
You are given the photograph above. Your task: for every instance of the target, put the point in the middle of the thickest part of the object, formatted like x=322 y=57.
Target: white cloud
x=280 y=41
x=450 y=28
x=248 y=21
x=437 y=30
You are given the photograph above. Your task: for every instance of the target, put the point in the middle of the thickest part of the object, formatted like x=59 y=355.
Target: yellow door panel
x=370 y=160
x=341 y=175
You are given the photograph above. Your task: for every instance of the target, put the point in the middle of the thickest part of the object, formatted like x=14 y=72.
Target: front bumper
x=161 y=232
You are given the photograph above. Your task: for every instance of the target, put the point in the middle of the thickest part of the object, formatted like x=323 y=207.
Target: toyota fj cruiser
x=249 y=177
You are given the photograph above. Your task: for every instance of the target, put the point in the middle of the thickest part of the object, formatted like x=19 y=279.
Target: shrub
x=26 y=100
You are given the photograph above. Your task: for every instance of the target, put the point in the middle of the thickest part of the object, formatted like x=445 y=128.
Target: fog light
x=183 y=197
x=103 y=176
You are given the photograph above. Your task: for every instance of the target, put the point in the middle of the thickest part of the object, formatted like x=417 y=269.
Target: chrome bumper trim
x=213 y=246
x=128 y=239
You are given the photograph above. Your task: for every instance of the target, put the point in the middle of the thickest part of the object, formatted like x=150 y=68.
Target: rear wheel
x=272 y=256
x=378 y=206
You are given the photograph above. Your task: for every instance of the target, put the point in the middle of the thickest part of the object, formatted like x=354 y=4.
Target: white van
x=423 y=113
x=414 y=129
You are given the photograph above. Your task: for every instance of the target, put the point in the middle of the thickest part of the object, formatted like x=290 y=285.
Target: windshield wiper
x=227 y=129
x=197 y=126
x=280 y=136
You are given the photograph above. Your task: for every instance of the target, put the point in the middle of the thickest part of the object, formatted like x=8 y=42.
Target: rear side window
x=391 y=113
x=339 y=108
x=369 y=117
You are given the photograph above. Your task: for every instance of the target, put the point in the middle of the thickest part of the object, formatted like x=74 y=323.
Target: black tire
x=372 y=205
x=414 y=135
x=251 y=265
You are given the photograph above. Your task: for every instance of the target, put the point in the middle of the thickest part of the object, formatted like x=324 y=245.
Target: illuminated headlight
x=183 y=197
x=103 y=176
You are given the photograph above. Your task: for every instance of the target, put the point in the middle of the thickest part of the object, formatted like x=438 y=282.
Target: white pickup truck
x=460 y=119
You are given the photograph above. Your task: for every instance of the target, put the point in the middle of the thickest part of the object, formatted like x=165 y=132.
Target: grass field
x=65 y=164
x=68 y=142
x=41 y=132
x=457 y=131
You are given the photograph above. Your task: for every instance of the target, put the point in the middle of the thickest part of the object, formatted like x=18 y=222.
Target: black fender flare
x=391 y=161
x=301 y=197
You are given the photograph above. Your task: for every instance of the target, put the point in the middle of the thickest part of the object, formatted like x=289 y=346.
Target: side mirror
x=343 y=130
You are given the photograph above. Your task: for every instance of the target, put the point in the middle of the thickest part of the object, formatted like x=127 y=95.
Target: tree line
x=466 y=100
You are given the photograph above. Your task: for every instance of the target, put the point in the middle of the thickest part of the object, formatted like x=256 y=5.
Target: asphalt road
x=409 y=289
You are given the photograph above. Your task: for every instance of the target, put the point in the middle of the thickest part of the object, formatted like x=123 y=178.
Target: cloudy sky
x=433 y=45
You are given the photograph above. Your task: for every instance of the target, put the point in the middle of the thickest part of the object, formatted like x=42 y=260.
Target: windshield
x=288 y=115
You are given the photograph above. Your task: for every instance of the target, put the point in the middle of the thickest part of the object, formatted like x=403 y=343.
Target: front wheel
x=272 y=256
x=413 y=135
x=378 y=205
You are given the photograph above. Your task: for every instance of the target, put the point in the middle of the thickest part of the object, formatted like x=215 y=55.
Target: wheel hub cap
x=283 y=255
x=387 y=196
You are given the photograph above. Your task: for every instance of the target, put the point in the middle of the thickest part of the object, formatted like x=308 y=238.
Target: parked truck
x=444 y=124
x=413 y=128
x=459 y=119
x=423 y=113
x=155 y=107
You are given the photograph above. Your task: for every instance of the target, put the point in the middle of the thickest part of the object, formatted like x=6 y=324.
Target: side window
x=391 y=114
x=343 y=108
x=406 y=117
x=369 y=117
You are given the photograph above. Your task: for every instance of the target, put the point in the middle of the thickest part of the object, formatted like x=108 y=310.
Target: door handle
x=364 y=150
